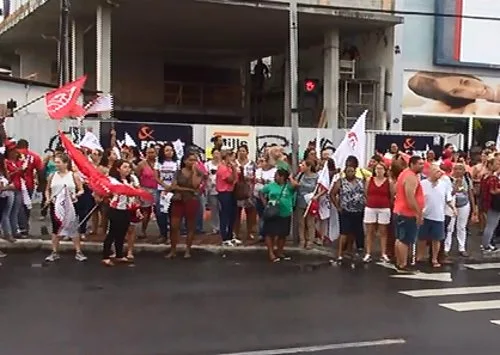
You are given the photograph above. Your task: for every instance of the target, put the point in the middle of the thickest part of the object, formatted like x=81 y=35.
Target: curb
x=96 y=247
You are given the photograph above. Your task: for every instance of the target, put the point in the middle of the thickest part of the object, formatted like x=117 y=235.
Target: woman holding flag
x=63 y=189
x=307 y=196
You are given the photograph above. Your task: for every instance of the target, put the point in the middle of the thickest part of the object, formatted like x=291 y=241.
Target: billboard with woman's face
x=428 y=93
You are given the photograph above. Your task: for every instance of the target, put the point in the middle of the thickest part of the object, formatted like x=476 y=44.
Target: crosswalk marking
x=472 y=305
x=485 y=266
x=453 y=291
x=497 y=322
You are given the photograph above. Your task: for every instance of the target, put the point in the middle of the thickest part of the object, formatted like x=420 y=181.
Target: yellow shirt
x=361 y=173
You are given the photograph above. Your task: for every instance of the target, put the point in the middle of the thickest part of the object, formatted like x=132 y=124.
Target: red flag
x=61 y=102
x=99 y=183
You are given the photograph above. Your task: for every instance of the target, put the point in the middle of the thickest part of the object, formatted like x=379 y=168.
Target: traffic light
x=310 y=86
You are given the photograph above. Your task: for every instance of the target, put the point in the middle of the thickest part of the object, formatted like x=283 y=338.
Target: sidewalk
x=210 y=243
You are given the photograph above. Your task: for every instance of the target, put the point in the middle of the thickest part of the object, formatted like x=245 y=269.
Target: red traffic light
x=310 y=85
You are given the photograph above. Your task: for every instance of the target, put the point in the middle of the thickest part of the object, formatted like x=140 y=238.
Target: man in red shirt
x=34 y=165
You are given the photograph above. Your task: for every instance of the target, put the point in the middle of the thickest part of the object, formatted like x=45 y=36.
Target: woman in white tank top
x=64 y=179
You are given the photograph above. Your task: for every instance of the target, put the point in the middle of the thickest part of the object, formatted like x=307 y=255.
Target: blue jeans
x=227 y=214
x=24 y=213
x=162 y=219
x=259 y=206
x=202 y=199
x=406 y=229
x=17 y=207
x=9 y=219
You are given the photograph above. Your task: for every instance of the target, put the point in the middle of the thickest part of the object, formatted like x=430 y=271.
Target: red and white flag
x=65 y=213
x=353 y=144
x=62 y=102
x=102 y=103
x=324 y=178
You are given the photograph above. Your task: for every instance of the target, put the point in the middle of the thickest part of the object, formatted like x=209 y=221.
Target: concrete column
x=396 y=77
x=103 y=60
x=77 y=50
x=331 y=77
x=287 y=109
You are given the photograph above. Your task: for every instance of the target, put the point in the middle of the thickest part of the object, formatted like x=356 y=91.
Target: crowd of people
x=399 y=199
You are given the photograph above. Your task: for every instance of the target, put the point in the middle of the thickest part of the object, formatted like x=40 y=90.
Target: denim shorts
x=431 y=230
x=406 y=229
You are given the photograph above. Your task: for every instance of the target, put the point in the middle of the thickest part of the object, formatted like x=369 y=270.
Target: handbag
x=241 y=188
x=273 y=210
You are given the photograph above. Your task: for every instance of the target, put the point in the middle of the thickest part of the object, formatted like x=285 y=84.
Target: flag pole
x=310 y=202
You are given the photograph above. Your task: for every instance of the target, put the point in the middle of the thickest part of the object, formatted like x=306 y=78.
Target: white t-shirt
x=167 y=171
x=212 y=170
x=449 y=190
x=266 y=175
x=436 y=196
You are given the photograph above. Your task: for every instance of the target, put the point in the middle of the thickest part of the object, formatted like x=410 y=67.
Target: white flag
x=498 y=139
x=90 y=141
x=102 y=103
x=324 y=178
x=129 y=141
x=354 y=143
x=65 y=213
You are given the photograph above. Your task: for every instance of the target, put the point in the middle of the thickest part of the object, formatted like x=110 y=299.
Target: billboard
x=449 y=94
x=145 y=134
x=467 y=41
x=232 y=137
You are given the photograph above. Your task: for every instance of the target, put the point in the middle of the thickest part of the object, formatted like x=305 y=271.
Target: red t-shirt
x=34 y=164
x=488 y=184
x=15 y=176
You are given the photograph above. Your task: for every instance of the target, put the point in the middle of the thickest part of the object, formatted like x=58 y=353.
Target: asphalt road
x=240 y=305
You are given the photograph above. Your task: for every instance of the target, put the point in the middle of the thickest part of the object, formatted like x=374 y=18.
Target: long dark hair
x=105 y=157
x=115 y=173
x=186 y=156
x=161 y=153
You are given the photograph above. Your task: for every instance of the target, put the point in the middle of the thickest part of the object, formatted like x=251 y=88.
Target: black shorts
x=277 y=227
x=351 y=223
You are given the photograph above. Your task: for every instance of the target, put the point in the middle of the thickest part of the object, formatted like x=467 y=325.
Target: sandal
x=130 y=258
x=170 y=256
x=436 y=265
x=187 y=255
x=107 y=262
x=275 y=260
x=285 y=257
x=124 y=260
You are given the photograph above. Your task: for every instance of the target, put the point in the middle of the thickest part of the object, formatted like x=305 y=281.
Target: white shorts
x=377 y=215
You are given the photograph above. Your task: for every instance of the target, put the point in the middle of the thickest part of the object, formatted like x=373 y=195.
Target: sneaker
x=367 y=258
x=228 y=243
x=236 y=241
x=385 y=259
x=80 y=257
x=2 y=254
x=489 y=248
x=52 y=257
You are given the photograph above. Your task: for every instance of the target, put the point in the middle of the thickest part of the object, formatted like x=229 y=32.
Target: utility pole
x=63 y=49
x=294 y=100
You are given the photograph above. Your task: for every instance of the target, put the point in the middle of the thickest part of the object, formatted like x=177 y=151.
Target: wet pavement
x=242 y=305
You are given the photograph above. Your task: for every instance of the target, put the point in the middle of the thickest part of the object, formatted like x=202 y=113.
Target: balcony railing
x=361 y=4
x=202 y=95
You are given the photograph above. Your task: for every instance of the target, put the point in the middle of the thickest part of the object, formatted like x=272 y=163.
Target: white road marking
x=435 y=276
x=453 y=291
x=472 y=305
x=319 y=348
x=497 y=322
x=485 y=266
x=387 y=265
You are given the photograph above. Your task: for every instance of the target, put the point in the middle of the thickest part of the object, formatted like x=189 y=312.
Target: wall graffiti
x=269 y=140
x=75 y=133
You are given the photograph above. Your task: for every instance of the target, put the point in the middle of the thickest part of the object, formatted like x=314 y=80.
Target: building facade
x=451 y=80
x=189 y=61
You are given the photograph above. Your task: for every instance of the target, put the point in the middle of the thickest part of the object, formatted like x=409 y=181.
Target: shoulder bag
x=273 y=210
